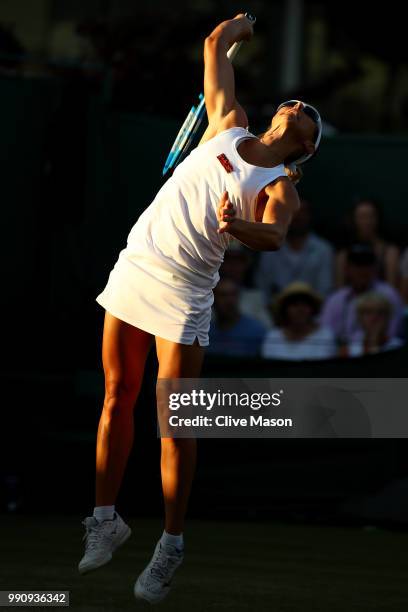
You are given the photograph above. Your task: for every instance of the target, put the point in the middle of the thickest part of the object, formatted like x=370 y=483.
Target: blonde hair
x=294 y=173
x=376 y=300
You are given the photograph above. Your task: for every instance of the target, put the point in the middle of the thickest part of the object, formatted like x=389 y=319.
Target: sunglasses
x=310 y=111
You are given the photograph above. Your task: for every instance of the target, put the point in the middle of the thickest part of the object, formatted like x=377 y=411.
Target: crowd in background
x=310 y=299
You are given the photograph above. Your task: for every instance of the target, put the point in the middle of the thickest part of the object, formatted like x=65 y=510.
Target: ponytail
x=293 y=172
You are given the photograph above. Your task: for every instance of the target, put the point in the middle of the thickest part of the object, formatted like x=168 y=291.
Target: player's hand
x=225 y=214
x=247 y=25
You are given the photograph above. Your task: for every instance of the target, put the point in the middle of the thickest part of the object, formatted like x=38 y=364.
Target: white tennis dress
x=162 y=281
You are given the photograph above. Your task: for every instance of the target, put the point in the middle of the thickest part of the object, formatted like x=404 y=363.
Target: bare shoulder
x=237 y=117
x=284 y=190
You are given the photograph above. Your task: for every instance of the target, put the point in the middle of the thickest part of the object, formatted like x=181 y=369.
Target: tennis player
x=234 y=184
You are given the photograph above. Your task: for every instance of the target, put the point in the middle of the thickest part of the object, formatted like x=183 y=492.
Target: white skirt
x=157 y=302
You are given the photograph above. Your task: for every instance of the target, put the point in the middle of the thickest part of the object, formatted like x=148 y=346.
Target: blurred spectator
x=231 y=332
x=404 y=275
x=298 y=336
x=303 y=257
x=339 y=312
x=237 y=265
x=373 y=313
x=365 y=223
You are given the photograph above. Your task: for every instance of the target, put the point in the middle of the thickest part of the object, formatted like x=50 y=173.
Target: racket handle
x=251 y=18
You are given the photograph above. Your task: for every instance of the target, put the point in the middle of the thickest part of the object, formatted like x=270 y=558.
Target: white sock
x=172 y=540
x=104 y=513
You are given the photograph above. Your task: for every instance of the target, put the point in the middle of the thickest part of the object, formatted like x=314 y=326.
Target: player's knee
x=120 y=395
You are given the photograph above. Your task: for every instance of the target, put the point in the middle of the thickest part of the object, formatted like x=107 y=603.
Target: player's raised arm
x=219 y=84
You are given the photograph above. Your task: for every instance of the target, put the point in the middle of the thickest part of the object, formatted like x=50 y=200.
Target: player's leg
x=178 y=461
x=178 y=456
x=124 y=352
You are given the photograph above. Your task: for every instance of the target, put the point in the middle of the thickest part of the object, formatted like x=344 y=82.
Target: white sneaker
x=153 y=583
x=102 y=539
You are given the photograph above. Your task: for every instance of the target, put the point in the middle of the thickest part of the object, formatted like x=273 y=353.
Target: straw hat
x=296 y=289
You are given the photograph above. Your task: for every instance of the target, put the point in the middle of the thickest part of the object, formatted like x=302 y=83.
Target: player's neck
x=279 y=146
